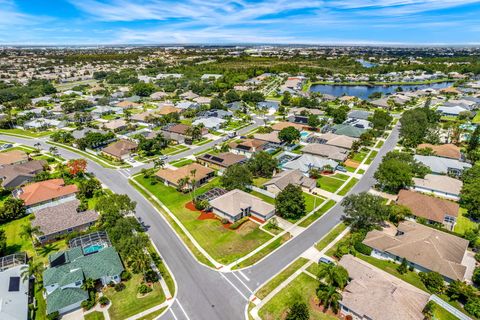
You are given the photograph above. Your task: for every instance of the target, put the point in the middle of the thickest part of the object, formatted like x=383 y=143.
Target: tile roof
x=439 y=183
x=45 y=190
x=234 y=201
x=443 y=150
x=282 y=125
x=337 y=140
x=120 y=148
x=325 y=150
x=269 y=137
x=370 y=288
x=13 y=156
x=295 y=177
x=62 y=217
x=427 y=247
x=173 y=176
x=431 y=208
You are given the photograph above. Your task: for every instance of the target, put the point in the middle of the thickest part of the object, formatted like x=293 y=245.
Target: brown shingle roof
x=325 y=150
x=371 y=288
x=128 y=104
x=248 y=143
x=46 y=190
x=13 y=156
x=173 y=176
x=295 y=177
x=427 y=207
x=282 y=125
x=120 y=148
x=62 y=217
x=443 y=150
x=224 y=159
x=28 y=170
x=427 y=247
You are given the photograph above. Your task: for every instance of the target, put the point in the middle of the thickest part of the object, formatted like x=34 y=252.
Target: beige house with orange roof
x=45 y=194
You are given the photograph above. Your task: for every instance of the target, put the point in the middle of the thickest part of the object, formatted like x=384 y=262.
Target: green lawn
x=476 y=119
x=181 y=163
x=223 y=244
x=302 y=289
x=464 y=223
x=281 y=277
x=348 y=186
x=41 y=310
x=263 y=253
x=127 y=303
x=379 y=144
x=361 y=171
x=172 y=150
x=263 y=197
x=154 y=314
x=359 y=156
x=320 y=245
x=202 y=142
x=317 y=214
x=258 y=182
x=15 y=243
x=440 y=313
x=391 y=267
x=372 y=156
x=95 y=315
x=331 y=183
x=26 y=133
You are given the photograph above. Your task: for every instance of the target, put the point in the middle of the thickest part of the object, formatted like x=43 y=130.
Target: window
x=78 y=283
x=69 y=229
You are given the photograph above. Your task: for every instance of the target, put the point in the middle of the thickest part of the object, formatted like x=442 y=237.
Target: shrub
x=476 y=276
x=477 y=256
x=150 y=276
x=433 y=281
x=119 y=286
x=201 y=205
x=111 y=284
x=362 y=248
x=225 y=221
x=53 y=316
x=403 y=267
x=238 y=223
x=125 y=275
x=144 y=289
x=473 y=306
x=103 y=301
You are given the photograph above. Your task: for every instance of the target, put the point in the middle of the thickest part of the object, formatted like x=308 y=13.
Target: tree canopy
x=290 y=202
x=289 y=135
x=364 y=210
x=237 y=176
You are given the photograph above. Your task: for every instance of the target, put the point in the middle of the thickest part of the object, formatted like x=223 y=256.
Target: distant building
x=120 y=150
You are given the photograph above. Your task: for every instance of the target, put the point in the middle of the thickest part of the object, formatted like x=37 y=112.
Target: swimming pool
x=93 y=248
x=304 y=134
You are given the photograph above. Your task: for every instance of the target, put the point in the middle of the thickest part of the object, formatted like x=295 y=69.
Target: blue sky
x=59 y=22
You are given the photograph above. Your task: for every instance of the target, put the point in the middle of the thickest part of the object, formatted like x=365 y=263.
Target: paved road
x=204 y=293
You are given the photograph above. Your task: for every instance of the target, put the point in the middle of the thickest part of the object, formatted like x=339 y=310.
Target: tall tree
x=473 y=152
x=289 y=135
x=334 y=275
x=237 y=176
x=290 y=203
x=329 y=297
x=298 y=311
x=364 y=210
x=262 y=164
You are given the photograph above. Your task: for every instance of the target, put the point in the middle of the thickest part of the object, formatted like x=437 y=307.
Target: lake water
x=366 y=64
x=363 y=92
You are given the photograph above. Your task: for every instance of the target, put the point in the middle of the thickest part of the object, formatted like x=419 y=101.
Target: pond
x=363 y=91
x=366 y=64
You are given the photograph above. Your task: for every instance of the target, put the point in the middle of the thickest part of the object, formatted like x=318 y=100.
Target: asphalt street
x=204 y=293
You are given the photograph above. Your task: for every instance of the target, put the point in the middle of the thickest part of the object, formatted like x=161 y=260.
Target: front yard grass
x=320 y=245
x=127 y=302
x=301 y=289
x=281 y=277
x=440 y=313
x=463 y=222
x=359 y=156
x=153 y=315
x=372 y=156
x=330 y=183
x=25 y=133
x=379 y=144
x=181 y=163
x=223 y=244
x=175 y=149
x=263 y=253
x=95 y=315
x=317 y=214
x=348 y=186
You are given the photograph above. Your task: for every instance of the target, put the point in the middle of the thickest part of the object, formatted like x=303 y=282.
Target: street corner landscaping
x=331 y=183
x=222 y=243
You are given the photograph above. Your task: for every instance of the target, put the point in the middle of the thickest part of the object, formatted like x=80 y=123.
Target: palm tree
x=182 y=183
x=329 y=297
x=32 y=269
x=53 y=150
x=158 y=163
x=28 y=232
x=193 y=182
x=88 y=284
x=139 y=262
x=334 y=275
x=37 y=146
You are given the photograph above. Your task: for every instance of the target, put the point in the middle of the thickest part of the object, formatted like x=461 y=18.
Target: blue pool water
x=304 y=134
x=92 y=248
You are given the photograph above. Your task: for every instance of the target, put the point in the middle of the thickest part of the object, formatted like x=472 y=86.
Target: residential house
x=270 y=138
x=120 y=150
x=325 y=150
x=270 y=106
x=14 y=175
x=348 y=130
x=443 y=150
x=369 y=288
x=126 y=104
x=116 y=125
x=335 y=140
x=247 y=147
x=220 y=161
x=42 y=123
x=184 y=105
x=426 y=249
x=160 y=95
x=237 y=204
x=167 y=109
x=189 y=95
x=208 y=76
x=54 y=222
x=359 y=114
x=217 y=113
x=43 y=194
x=211 y=123
x=179 y=132
x=306 y=162
x=14 y=288
x=284 y=178
x=79 y=134
x=282 y=125
x=13 y=157
x=69 y=269
x=235 y=106
x=451 y=111
x=202 y=100
x=103 y=110
x=439 y=165
x=193 y=171
x=438 y=185
x=434 y=210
